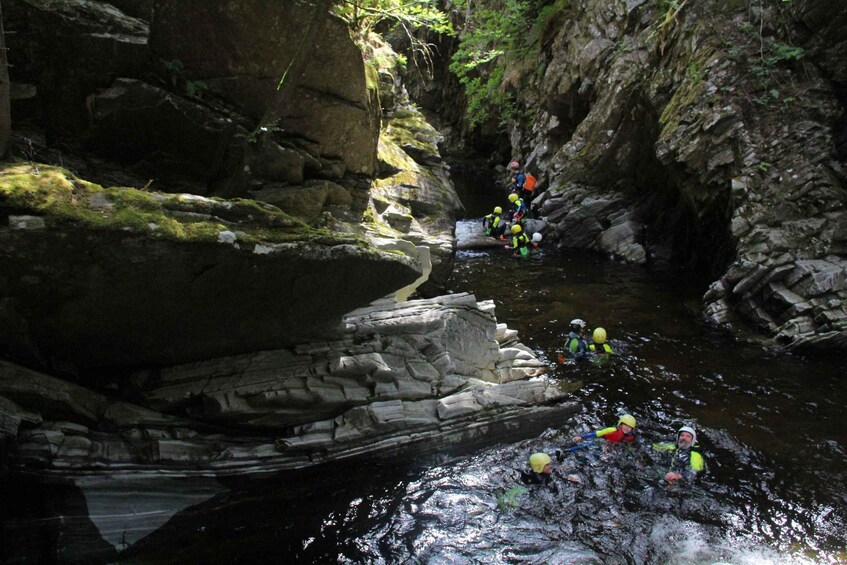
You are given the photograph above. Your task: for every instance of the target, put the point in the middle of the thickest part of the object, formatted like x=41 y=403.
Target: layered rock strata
x=426 y=374
x=402 y=373
x=709 y=133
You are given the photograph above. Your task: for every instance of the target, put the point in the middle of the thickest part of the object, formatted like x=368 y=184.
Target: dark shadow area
x=45 y=522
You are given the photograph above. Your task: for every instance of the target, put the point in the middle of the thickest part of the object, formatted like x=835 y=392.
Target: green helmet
x=628 y=420
x=538 y=461
x=498 y=210
x=599 y=335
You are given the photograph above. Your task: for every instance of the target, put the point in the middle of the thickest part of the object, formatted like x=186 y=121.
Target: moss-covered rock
x=124 y=277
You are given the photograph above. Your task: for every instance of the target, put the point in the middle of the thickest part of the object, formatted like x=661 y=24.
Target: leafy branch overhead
x=490 y=42
x=408 y=16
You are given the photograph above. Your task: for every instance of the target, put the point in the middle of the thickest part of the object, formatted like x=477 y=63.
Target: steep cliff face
x=220 y=277
x=710 y=132
x=179 y=115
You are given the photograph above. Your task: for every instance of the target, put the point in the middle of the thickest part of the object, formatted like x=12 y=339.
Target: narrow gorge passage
x=769 y=423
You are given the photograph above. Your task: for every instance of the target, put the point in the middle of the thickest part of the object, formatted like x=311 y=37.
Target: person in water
x=520 y=241
x=686 y=462
x=623 y=433
x=599 y=345
x=493 y=223
x=575 y=347
x=540 y=470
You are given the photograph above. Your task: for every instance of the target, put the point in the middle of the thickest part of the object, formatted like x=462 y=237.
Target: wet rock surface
x=704 y=134
x=401 y=373
x=423 y=375
x=721 y=166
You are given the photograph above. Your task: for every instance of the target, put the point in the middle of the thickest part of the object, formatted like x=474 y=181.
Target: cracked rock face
x=710 y=135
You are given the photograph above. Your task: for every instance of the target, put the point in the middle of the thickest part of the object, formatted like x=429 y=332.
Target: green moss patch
x=410 y=129
x=62 y=198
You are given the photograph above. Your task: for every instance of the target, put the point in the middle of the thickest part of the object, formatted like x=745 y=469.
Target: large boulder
x=67 y=50
x=254 y=42
x=93 y=277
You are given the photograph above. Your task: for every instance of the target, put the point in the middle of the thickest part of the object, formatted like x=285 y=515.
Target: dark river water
x=771 y=426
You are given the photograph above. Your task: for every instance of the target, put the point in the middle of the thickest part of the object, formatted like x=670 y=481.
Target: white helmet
x=690 y=430
x=578 y=322
x=536 y=237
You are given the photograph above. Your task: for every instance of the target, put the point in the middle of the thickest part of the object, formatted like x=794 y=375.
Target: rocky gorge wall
x=176 y=282
x=707 y=133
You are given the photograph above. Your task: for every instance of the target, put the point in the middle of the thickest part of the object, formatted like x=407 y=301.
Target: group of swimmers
x=685 y=463
x=522 y=187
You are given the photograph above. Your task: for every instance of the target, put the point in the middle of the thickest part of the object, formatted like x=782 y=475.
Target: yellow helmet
x=516 y=228
x=498 y=210
x=538 y=461
x=628 y=420
x=599 y=335
x=513 y=197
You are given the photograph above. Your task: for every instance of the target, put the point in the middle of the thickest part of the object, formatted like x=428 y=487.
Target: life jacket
x=520 y=209
x=615 y=436
x=490 y=222
x=574 y=344
x=604 y=348
x=520 y=241
x=682 y=459
x=529 y=183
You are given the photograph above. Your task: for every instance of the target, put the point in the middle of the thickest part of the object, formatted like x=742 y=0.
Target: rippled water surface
x=771 y=426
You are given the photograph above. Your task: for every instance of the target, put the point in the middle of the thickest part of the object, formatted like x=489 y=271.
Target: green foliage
x=253 y=136
x=494 y=41
x=406 y=16
x=669 y=10
x=694 y=72
x=782 y=52
x=362 y=16
x=177 y=79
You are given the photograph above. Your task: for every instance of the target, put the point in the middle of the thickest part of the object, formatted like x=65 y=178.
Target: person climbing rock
x=686 y=462
x=493 y=223
x=527 y=190
x=517 y=177
x=519 y=210
x=623 y=433
x=520 y=241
